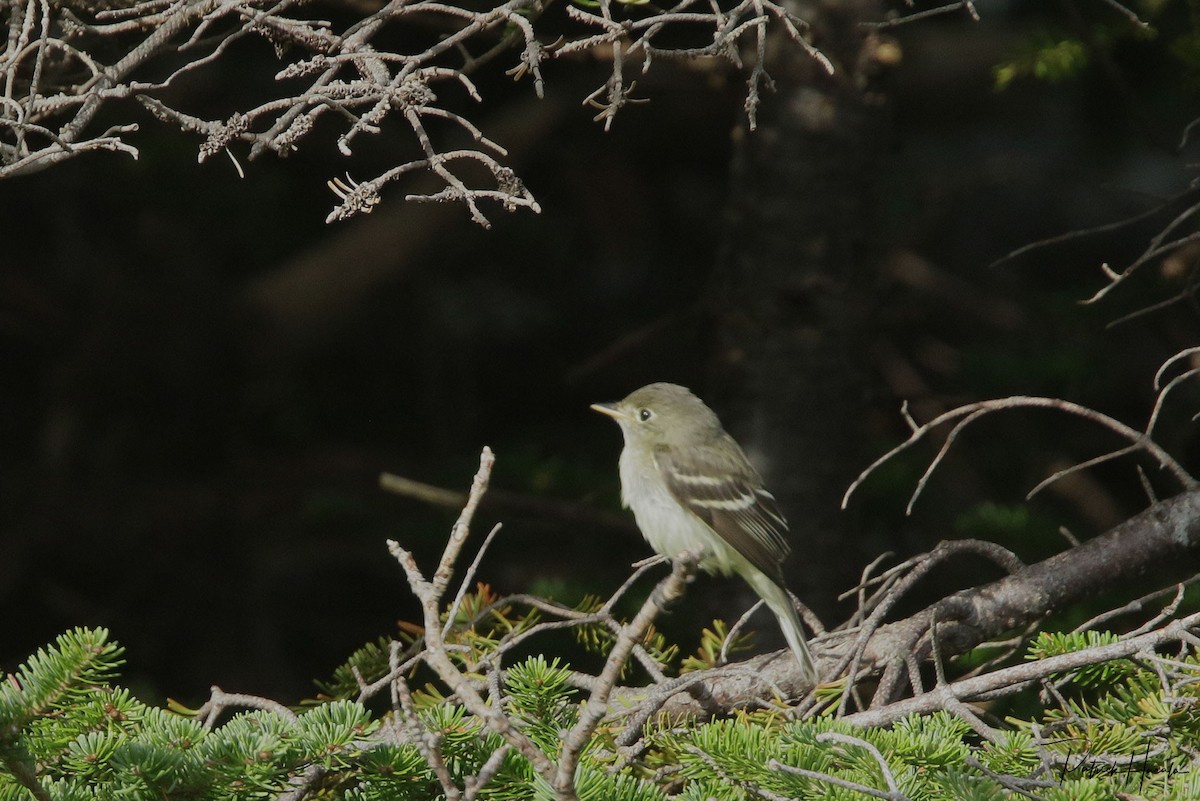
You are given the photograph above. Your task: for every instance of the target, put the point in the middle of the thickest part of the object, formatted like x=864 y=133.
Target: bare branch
x=948 y=8
x=1021 y=675
x=465 y=584
x=557 y=769
x=963 y=415
x=435 y=654
x=1159 y=536
x=667 y=591
x=219 y=700
x=351 y=73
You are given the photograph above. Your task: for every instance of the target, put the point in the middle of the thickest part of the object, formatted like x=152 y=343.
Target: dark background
x=201 y=381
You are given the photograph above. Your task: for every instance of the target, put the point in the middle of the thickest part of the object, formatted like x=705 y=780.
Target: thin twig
x=1017 y=676
x=970 y=412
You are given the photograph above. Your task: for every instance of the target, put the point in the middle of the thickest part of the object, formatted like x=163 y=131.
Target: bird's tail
x=779 y=602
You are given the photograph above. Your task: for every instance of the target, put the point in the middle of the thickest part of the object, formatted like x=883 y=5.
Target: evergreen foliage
x=68 y=732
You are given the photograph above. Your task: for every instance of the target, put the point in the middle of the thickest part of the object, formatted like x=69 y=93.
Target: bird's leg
x=695 y=556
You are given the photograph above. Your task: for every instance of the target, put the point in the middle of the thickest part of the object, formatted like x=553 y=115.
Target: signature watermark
x=1138 y=764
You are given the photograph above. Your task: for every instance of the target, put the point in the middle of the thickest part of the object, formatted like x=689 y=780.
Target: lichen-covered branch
x=65 y=61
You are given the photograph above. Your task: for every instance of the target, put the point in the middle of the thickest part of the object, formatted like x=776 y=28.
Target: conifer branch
x=1022 y=675
x=667 y=591
x=559 y=770
x=1161 y=535
x=435 y=654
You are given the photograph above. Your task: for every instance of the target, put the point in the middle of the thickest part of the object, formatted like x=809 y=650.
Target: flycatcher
x=690 y=487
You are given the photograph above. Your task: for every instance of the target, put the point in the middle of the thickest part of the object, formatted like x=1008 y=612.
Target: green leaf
x=1103 y=674
x=327 y=731
x=79 y=661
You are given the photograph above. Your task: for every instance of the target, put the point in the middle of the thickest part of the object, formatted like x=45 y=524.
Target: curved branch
x=1159 y=536
x=963 y=415
x=1018 y=676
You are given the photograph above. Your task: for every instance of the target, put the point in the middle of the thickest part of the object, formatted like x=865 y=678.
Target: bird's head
x=663 y=414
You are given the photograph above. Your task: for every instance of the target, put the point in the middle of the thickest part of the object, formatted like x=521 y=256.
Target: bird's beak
x=610 y=409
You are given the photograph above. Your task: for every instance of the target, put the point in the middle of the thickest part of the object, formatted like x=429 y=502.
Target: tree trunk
x=793 y=295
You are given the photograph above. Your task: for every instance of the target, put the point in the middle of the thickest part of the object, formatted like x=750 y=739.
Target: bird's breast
x=666 y=524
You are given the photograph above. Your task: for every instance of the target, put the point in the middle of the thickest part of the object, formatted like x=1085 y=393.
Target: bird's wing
x=725 y=492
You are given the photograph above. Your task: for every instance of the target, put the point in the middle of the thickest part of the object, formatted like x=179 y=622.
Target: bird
x=691 y=487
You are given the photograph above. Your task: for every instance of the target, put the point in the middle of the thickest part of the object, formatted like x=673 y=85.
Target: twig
x=970 y=412
x=1138 y=604
x=892 y=594
x=425 y=741
x=435 y=655
x=465 y=584
x=356 y=73
x=734 y=630
x=669 y=590
x=1164 y=535
x=304 y=783
x=1085 y=233
x=219 y=700
x=510 y=503
x=1017 y=676
x=948 y=8
x=888 y=795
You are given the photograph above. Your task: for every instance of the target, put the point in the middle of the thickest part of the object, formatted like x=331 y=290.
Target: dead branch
x=219 y=701
x=564 y=512
x=964 y=415
x=1162 y=535
x=1176 y=237
x=63 y=63
x=1017 y=676
x=484 y=700
x=435 y=654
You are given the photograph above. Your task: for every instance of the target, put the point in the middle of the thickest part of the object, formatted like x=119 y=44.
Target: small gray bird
x=690 y=486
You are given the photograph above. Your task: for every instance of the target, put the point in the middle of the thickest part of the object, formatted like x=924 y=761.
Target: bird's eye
x=645 y=414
